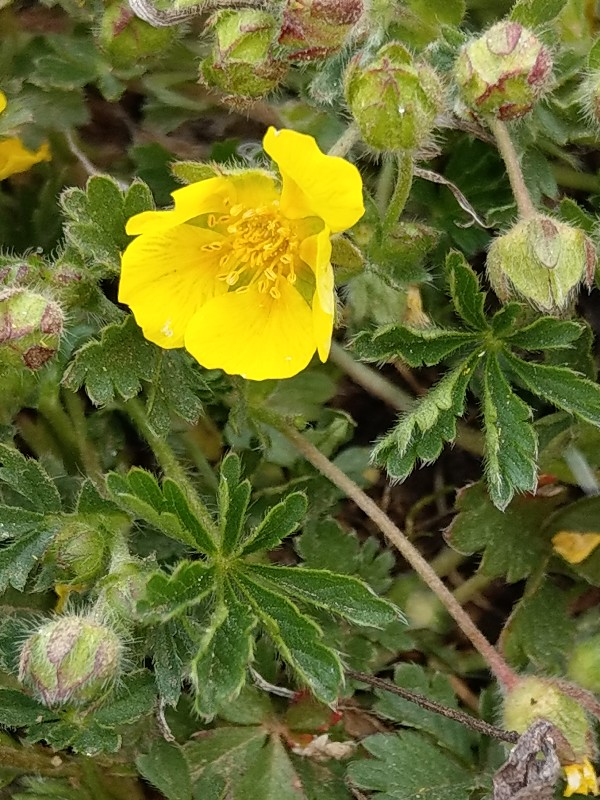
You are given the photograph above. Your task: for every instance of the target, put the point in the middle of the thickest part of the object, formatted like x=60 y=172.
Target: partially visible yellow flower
x=239 y=271
x=14 y=156
x=581 y=779
x=575 y=547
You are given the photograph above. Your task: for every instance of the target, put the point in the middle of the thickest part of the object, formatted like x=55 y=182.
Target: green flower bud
x=503 y=72
x=394 y=99
x=78 y=552
x=590 y=97
x=30 y=328
x=543 y=260
x=123 y=588
x=314 y=29
x=70 y=660
x=584 y=664
x=538 y=698
x=242 y=62
x=128 y=40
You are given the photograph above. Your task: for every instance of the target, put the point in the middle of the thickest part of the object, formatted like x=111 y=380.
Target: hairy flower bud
x=123 y=588
x=394 y=99
x=70 y=660
x=542 y=260
x=78 y=552
x=30 y=328
x=536 y=698
x=242 y=62
x=584 y=664
x=504 y=71
x=313 y=29
x=128 y=40
x=590 y=96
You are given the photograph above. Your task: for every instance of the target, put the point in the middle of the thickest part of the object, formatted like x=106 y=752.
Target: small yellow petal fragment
x=575 y=547
x=15 y=157
x=3 y=101
x=581 y=779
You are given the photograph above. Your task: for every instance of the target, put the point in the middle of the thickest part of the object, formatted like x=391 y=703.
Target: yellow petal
x=254 y=335
x=316 y=252
x=214 y=195
x=314 y=184
x=15 y=157
x=166 y=278
x=581 y=779
x=3 y=101
x=575 y=547
x=202 y=197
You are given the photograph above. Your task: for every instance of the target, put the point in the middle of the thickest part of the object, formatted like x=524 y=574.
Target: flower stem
x=513 y=169
x=169 y=463
x=371 y=380
x=345 y=143
x=89 y=455
x=497 y=665
x=404 y=179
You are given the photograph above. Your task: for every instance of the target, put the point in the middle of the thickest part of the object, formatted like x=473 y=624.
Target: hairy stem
x=404 y=179
x=513 y=169
x=345 y=143
x=377 y=385
x=431 y=705
x=497 y=665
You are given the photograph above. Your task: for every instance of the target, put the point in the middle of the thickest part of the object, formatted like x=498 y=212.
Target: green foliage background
x=242 y=582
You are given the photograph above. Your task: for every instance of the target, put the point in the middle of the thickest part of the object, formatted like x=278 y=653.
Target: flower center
x=261 y=248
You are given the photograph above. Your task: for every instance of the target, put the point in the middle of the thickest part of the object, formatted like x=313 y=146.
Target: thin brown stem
x=513 y=169
x=438 y=708
x=496 y=663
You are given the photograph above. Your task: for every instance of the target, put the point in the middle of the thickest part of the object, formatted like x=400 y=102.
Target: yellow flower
x=239 y=271
x=575 y=547
x=14 y=156
x=581 y=779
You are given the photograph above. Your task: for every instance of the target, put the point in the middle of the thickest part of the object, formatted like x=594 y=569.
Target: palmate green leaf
x=533 y=13
x=513 y=541
x=416 y=346
x=297 y=638
x=534 y=639
x=343 y=595
x=545 y=333
x=18 y=559
x=29 y=479
x=166 y=643
x=15 y=521
x=135 y=698
x=165 y=767
x=510 y=439
x=562 y=387
x=420 y=434
x=96 y=218
x=177 y=387
x=166 y=509
x=17 y=710
x=324 y=544
x=219 y=668
x=234 y=497
x=113 y=366
x=322 y=781
x=406 y=766
x=466 y=294
x=221 y=756
x=280 y=521
x=270 y=776
x=171 y=595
